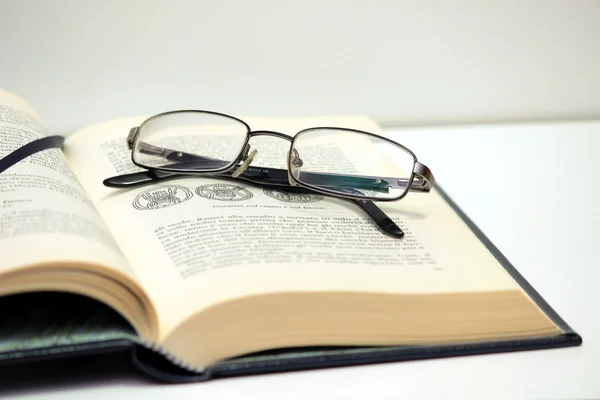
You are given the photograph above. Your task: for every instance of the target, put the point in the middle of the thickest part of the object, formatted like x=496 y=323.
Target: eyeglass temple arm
x=384 y=223
x=423 y=180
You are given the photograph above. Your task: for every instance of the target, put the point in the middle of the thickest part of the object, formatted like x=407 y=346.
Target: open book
x=208 y=272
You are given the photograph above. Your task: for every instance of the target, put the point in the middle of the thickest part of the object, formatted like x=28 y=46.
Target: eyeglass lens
x=338 y=161
x=350 y=162
x=188 y=141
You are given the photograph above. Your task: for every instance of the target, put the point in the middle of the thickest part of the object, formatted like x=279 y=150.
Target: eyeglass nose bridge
x=280 y=135
x=295 y=162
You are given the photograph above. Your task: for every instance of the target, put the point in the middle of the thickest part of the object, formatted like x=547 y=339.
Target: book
x=200 y=277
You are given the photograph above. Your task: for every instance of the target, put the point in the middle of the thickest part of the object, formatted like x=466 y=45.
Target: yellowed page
x=47 y=221
x=45 y=213
x=215 y=240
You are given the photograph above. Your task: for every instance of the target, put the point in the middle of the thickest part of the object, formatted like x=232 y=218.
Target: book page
x=45 y=215
x=196 y=241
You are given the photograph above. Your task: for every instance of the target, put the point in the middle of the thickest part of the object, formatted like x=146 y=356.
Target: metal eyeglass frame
x=420 y=180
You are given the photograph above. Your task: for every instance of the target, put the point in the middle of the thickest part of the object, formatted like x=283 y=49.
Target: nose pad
x=294 y=168
x=247 y=160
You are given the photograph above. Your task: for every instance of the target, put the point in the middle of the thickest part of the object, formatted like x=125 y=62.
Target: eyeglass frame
x=420 y=171
x=153 y=174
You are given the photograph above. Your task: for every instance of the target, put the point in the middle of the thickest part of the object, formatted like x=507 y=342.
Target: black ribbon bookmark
x=49 y=142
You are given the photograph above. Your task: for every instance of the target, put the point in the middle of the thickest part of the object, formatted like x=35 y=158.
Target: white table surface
x=533 y=189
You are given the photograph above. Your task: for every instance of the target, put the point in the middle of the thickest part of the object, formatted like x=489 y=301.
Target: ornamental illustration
x=224 y=192
x=289 y=197
x=161 y=197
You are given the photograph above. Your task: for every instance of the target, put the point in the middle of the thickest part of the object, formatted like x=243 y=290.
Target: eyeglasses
x=346 y=163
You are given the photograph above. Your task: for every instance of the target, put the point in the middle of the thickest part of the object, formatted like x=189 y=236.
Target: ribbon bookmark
x=48 y=142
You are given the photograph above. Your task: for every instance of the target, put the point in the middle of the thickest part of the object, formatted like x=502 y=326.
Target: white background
x=532 y=188
x=408 y=62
